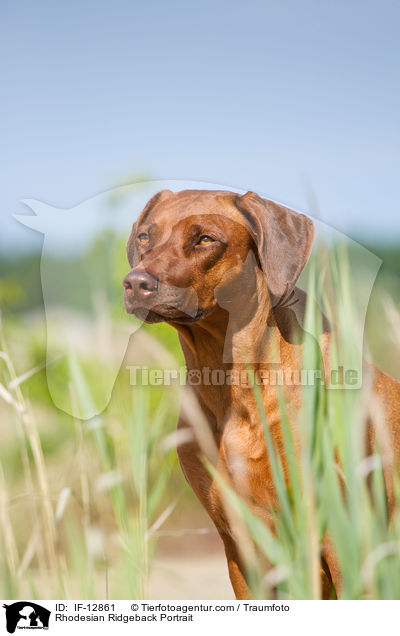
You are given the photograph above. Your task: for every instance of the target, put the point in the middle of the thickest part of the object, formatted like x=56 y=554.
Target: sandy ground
x=200 y=576
x=191 y=566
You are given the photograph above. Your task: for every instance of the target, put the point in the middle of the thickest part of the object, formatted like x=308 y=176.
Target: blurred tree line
x=20 y=281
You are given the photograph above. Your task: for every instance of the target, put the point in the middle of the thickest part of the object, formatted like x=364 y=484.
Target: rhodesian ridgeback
x=222 y=268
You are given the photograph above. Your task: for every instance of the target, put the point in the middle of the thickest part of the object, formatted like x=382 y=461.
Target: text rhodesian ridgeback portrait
x=216 y=266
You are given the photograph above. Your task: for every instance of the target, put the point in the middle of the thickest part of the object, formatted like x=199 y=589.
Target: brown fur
x=231 y=303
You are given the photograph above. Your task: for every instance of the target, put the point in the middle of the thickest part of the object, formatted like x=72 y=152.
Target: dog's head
x=186 y=247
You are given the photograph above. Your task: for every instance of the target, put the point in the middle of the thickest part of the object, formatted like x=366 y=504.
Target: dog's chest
x=243 y=459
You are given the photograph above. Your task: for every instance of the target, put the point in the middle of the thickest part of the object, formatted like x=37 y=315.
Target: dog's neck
x=235 y=332
x=233 y=343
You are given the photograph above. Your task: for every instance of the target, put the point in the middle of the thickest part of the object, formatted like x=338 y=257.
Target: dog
x=222 y=269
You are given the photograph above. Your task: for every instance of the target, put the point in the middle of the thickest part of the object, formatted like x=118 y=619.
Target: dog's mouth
x=163 y=312
x=184 y=319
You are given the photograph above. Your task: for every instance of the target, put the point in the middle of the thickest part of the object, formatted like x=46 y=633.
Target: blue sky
x=277 y=97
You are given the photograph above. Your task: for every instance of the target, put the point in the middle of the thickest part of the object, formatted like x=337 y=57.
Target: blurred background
x=298 y=101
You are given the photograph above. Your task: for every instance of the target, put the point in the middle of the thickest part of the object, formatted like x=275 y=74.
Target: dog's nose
x=141 y=282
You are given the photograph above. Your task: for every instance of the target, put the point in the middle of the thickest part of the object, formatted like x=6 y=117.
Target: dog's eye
x=205 y=240
x=143 y=238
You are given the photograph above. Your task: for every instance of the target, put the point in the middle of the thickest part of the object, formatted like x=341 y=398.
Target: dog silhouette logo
x=26 y=615
x=79 y=292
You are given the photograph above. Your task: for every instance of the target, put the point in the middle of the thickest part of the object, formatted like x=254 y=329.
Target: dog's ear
x=283 y=239
x=130 y=246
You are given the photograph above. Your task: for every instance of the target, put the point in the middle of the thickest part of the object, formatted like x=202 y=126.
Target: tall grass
x=94 y=532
